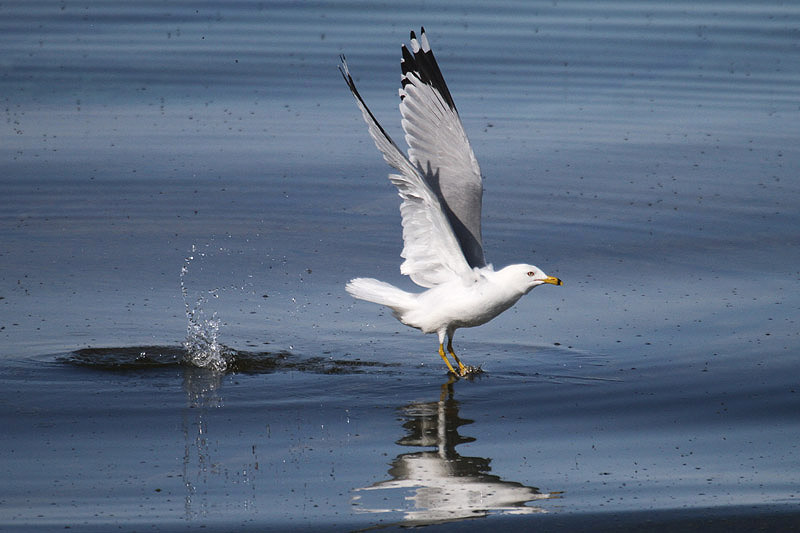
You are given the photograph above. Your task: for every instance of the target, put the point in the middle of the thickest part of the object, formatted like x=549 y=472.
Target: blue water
x=645 y=153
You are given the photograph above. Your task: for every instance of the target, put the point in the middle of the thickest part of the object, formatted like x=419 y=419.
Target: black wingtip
x=421 y=61
x=343 y=68
x=407 y=58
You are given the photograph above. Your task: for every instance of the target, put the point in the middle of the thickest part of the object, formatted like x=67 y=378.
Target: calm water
x=647 y=154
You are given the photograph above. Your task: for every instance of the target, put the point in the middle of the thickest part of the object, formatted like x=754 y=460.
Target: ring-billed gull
x=441 y=187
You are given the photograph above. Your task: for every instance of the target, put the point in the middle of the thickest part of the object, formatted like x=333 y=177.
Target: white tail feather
x=379 y=292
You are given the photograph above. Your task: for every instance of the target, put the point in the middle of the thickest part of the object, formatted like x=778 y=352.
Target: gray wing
x=431 y=251
x=439 y=148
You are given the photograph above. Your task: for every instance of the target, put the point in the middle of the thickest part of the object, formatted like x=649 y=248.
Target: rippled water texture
x=187 y=186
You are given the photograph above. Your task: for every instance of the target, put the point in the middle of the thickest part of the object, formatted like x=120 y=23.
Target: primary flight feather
x=441 y=187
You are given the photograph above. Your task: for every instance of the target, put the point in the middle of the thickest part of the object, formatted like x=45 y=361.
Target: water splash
x=201 y=344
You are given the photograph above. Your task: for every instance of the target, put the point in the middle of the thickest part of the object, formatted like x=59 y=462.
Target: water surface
x=165 y=157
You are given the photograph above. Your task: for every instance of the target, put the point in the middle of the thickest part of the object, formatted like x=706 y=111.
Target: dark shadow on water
x=126 y=357
x=133 y=358
x=440 y=485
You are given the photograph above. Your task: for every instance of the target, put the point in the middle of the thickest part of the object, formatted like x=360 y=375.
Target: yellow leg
x=447 y=388
x=462 y=370
x=444 y=358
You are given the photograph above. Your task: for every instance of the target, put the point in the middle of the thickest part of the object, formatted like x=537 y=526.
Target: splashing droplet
x=201 y=344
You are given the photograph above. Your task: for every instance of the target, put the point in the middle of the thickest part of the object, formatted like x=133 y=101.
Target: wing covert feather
x=439 y=147
x=431 y=251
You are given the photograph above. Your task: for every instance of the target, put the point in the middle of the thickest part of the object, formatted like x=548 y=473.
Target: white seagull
x=441 y=187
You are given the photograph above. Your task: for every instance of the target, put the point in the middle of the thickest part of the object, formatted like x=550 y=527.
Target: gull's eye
x=531 y=273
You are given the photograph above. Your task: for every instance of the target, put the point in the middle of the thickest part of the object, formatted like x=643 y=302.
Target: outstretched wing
x=431 y=251
x=438 y=146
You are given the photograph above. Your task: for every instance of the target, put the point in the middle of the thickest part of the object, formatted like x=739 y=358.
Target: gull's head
x=526 y=277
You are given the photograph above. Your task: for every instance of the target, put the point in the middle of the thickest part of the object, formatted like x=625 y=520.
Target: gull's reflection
x=441 y=485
